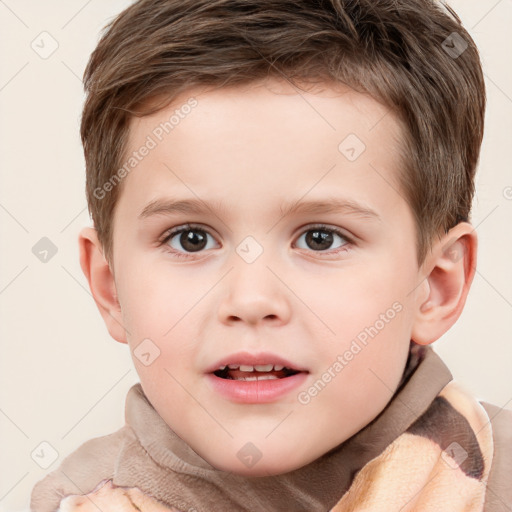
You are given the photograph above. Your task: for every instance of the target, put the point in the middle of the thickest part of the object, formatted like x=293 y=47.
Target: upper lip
x=248 y=358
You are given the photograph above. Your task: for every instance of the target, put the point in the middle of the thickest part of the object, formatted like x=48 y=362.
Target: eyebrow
x=196 y=206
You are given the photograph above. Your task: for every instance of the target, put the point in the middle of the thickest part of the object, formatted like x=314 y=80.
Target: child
x=281 y=195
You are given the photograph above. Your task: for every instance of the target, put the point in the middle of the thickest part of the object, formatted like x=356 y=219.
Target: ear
x=101 y=282
x=449 y=272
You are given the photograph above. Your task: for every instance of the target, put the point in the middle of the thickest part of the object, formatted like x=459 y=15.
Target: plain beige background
x=63 y=379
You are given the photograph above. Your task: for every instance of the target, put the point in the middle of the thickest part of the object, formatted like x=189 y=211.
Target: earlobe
x=101 y=282
x=451 y=268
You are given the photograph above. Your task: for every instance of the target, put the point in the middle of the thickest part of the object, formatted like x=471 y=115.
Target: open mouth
x=256 y=372
x=255 y=378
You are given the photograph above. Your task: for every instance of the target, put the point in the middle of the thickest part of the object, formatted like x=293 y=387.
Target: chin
x=249 y=461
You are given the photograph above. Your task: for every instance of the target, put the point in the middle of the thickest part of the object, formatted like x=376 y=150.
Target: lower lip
x=256 y=391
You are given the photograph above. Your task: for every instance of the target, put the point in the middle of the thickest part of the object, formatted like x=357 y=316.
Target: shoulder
x=81 y=471
x=499 y=485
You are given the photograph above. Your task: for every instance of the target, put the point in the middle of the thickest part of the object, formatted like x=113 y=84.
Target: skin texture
x=252 y=149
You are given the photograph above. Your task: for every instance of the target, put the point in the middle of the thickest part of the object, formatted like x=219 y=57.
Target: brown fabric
x=148 y=455
x=439 y=424
x=499 y=487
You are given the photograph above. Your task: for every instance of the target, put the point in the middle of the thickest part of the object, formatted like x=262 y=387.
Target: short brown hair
x=414 y=56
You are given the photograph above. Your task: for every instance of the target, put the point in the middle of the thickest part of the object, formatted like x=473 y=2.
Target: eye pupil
x=315 y=239
x=193 y=240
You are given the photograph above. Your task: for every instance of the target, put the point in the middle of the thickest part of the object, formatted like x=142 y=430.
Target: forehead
x=313 y=102
x=266 y=138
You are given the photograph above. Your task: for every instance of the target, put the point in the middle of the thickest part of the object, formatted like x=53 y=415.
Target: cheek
x=158 y=313
x=367 y=368
x=371 y=314
x=356 y=299
x=154 y=300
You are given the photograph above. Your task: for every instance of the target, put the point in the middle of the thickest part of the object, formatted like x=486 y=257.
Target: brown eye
x=188 y=240
x=322 y=238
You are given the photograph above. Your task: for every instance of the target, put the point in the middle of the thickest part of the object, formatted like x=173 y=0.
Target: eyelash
x=168 y=235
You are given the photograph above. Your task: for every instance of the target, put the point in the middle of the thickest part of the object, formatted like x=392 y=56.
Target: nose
x=254 y=293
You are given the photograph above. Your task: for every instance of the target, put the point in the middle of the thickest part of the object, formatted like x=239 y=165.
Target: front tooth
x=246 y=368
x=233 y=366
x=222 y=367
x=278 y=367
x=264 y=367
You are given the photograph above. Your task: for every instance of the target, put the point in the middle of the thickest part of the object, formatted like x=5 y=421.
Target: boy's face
x=248 y=279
